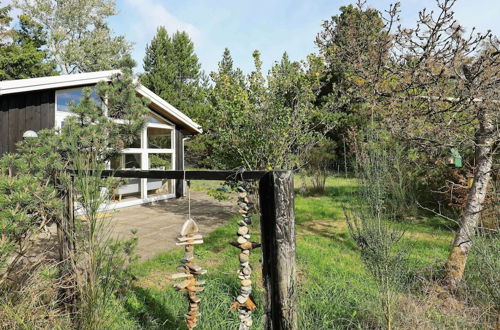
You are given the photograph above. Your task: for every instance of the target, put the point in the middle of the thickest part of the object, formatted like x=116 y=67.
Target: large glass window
x=159 y=138
x=152 y=149
x=160 y=161
x=126 y=161
x=155 y=119
x=66 y=98
x=134 y=142
x=132 y=161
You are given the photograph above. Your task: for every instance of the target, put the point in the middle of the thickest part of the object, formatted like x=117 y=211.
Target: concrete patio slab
x=158 y=224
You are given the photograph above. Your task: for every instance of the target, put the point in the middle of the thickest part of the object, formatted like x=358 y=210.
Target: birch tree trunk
x=485 y=139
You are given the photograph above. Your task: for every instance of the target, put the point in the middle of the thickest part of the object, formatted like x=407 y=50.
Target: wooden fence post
x=278 y=249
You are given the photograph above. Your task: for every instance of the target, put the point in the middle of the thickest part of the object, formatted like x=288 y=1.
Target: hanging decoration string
x=189 y=236
x=244 y=303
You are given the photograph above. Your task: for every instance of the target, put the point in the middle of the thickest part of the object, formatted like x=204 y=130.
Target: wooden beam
x=277 y=225
x=188 y=175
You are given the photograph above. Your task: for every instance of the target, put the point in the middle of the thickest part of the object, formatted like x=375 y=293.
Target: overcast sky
x=271 y=26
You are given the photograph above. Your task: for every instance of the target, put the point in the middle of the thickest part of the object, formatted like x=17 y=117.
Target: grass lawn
x=334 y=291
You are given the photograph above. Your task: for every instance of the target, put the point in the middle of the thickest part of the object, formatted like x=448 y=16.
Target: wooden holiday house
x=29 y=105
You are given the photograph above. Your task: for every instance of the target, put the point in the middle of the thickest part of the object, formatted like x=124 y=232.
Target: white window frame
x=144 y=151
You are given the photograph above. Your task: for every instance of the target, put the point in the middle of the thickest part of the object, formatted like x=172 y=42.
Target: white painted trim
x=169 y=108
x=123 y=204
x=157 y=125
x=147 y=151
x=166 y=121
x=53 y=82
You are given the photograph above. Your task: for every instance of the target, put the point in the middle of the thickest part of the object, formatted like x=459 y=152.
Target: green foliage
x=334 y=290
x=21 y=50
x=268 y=122
x=346 y=43
x=28 y=198
x=78 y=35
x=319 y=164
x=31 y=182
x=172 y=71
x=368 y=220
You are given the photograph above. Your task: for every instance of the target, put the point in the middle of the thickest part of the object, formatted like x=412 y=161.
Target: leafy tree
x=21 y=51
x=319 y=164
x=435 y=87
x=172 y=71
x=268 y=122
x=78 y=36
x=5 y=20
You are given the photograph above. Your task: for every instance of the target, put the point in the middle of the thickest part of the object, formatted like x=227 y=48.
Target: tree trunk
x=485 y=138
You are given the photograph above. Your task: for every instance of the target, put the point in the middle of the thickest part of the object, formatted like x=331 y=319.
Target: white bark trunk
x=485 y=139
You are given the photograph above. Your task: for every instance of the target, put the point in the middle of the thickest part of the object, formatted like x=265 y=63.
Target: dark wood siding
x=179 y=162
x=24 y=111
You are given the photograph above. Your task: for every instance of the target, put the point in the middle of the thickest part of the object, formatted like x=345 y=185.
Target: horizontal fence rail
x=187 y=175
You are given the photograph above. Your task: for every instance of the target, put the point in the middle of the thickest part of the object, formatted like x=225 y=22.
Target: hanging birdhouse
x=454 y=160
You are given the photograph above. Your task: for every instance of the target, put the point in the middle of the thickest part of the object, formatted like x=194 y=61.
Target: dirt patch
x=156 y=279
x=325 y=228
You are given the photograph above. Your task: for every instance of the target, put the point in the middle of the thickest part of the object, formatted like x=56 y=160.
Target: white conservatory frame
x=144 y=151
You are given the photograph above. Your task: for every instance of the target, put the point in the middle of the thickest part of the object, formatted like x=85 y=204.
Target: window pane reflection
x=64 y=99
x=160 y=161
x=159 y=138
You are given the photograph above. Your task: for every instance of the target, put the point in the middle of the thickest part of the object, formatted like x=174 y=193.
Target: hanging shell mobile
x=190 y=271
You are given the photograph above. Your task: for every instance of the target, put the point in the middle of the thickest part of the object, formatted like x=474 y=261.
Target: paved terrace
x=158 y=224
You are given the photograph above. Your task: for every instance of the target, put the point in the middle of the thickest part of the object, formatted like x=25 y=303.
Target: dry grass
x=32 y=303
x=436 y=308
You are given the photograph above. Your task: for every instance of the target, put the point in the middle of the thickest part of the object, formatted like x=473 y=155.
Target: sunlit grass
x=333 y=289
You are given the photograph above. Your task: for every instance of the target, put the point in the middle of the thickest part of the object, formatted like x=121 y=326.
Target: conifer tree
x=172 y=70
x=21 y=53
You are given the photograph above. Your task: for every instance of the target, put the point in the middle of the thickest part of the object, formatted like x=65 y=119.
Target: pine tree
x=173 y=72
x=21 y=54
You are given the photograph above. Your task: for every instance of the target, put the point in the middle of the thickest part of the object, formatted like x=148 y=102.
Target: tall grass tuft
x=370 y=224
x=482 y=284
x=103 y=264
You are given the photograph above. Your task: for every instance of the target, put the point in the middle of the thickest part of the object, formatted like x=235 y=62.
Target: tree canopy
x=21 y=50
x=172 y=70
x=79 y=38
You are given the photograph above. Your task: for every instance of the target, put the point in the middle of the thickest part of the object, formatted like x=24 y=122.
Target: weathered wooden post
x=278 y=249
